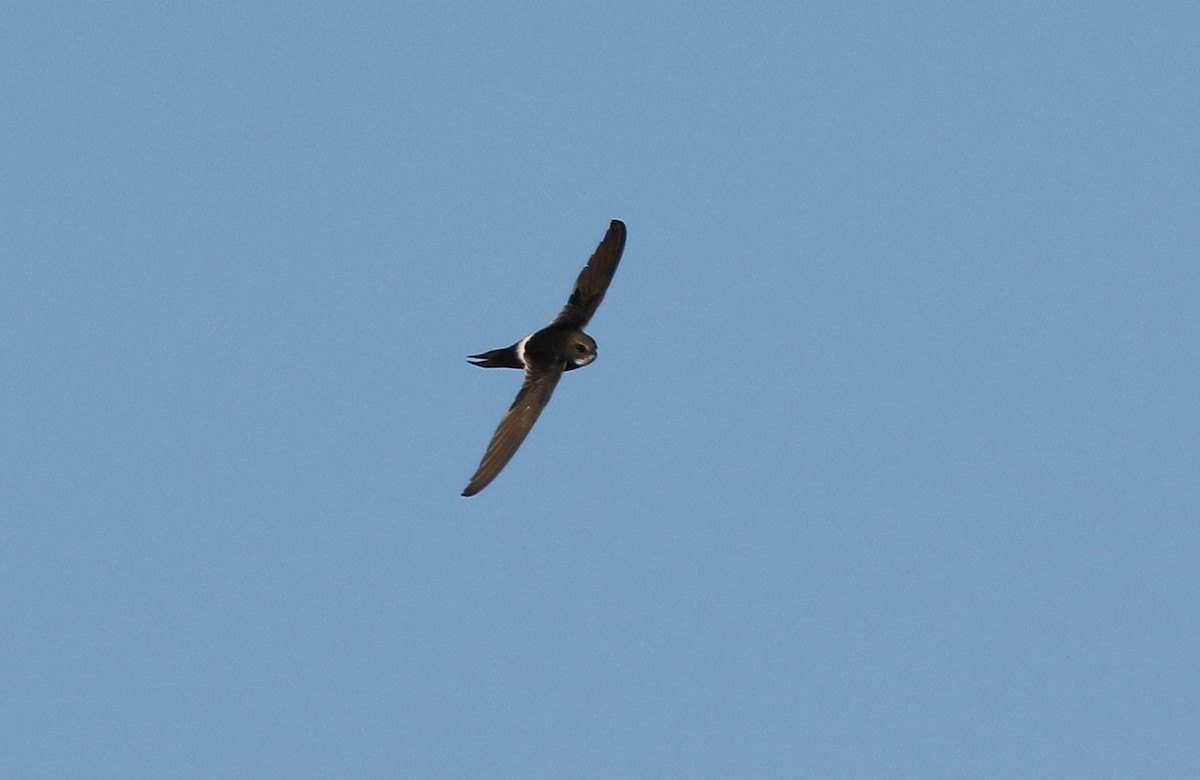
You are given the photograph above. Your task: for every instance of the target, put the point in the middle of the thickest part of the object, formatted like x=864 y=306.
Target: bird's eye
x=580 y=348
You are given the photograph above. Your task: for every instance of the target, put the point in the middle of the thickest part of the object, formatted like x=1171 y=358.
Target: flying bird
x=546 y=354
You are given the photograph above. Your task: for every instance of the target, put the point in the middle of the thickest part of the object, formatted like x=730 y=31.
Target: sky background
x=889 y=465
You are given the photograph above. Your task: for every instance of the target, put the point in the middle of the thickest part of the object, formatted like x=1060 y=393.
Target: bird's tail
x=497 y=358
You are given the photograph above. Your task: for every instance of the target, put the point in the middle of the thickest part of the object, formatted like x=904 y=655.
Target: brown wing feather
x=518 y=420
x=594 y=278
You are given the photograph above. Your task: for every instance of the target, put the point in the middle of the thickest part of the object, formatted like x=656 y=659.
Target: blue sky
x=888 y=466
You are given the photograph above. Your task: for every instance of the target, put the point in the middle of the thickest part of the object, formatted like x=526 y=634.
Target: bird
x=545 y=354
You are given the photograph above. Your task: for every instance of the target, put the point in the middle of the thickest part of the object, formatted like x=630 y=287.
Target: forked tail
x=497 y=358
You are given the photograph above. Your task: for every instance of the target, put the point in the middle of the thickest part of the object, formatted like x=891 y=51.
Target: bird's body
x=544 y=356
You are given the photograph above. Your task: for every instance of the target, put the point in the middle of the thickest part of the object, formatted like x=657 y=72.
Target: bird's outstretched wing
x=518 y=420
x=594 y=278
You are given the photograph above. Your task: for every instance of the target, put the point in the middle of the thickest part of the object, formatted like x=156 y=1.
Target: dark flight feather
x=518 y=420
x=594 y=279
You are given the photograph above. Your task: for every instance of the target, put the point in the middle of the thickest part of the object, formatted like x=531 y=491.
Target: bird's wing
x=518 y=420
x=594 y=278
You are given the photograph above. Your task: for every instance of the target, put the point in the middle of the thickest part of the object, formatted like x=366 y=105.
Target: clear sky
x=889 y=465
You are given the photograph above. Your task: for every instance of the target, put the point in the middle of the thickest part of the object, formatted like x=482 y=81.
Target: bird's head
x=581 y=350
